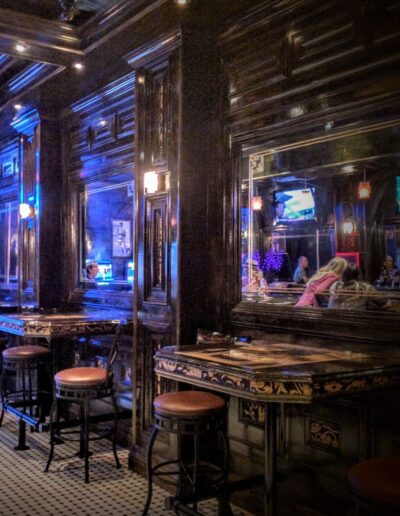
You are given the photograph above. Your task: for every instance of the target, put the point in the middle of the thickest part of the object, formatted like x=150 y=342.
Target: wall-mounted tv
x=294 y=205
x=105 y=271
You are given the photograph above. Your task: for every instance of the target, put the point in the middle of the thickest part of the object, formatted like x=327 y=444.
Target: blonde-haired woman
x=321 y=281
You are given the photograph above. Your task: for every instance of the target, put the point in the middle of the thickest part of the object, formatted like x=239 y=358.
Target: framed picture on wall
x=121 y=239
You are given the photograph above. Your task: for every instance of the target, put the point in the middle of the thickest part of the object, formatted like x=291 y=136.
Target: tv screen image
x=105 y=271
x=295 y=205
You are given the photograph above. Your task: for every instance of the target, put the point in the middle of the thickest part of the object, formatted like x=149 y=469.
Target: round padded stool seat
x=188 y=404
x=377 y=480
x=81 y=377
x=25 y=352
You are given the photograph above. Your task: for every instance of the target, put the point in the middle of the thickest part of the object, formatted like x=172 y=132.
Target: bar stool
x=23 y=360
x=193 y=414
x=375 y=485
x=81 y=385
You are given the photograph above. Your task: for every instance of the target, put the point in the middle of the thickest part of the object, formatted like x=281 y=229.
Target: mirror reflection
x=321 y=223
x=8 y=251
x=106 y=213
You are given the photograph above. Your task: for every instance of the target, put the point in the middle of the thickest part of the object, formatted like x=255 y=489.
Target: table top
x=282 y=371
x=88 y=322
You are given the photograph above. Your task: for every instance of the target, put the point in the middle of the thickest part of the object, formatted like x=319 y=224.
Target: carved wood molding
x=156 y=252
x=157 y=49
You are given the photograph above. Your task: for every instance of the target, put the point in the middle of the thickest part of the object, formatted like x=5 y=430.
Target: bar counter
x=281 y=372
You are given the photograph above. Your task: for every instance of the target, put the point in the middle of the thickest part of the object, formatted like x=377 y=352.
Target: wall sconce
x=364 y=189
x=26 y=211
x=150 y=182
x=349 y=227
x=256 y=203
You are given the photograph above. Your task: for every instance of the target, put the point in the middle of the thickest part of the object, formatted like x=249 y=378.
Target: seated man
x=300 y=274
x=91 y=271
x=390 y=273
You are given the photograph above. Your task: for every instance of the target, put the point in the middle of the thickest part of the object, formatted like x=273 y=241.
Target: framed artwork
x=121 y=238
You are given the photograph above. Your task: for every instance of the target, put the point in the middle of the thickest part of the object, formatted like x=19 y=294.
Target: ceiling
x=72 y=11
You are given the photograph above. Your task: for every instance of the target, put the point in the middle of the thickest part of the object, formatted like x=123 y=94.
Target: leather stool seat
x=197 y=415
x=377 y=480
x=188 y=404
x=25 y=352
x=81 y=377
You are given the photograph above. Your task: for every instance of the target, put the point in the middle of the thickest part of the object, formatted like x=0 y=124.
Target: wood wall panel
x=101 y=130
x=288 y=65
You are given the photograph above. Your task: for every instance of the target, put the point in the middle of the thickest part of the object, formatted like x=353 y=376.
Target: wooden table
x=50 y=326
x=281 y=373
x=64 y=324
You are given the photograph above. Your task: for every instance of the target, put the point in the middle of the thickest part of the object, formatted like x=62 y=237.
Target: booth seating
x=375 y=485
x=81 y=385
x=23 y=361
x=195 y=414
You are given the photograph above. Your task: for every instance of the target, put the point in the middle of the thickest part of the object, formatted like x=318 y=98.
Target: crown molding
x=55 y=42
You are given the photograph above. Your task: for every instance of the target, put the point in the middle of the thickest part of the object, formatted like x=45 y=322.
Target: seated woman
x=322 y=281
x=352 y=294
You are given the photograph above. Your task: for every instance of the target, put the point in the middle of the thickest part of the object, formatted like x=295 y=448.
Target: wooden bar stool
x=193 y=414
x=81 y=385
x=23 y=361
x=375 y=485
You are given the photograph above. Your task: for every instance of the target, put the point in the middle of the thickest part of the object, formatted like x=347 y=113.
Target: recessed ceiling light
x=17 y=107
x=78 y=66
x=182 y=2
x=19 y=47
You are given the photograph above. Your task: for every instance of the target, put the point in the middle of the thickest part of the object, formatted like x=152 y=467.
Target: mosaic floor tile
x=25 y=490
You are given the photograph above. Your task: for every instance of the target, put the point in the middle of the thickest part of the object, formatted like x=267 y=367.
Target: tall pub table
x=50 y=327
x=275 y=373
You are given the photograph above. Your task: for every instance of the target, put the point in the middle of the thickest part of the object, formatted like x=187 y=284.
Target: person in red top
x=322 y=281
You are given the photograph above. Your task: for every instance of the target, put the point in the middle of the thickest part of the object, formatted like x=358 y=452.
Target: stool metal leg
x=21 y=437
x=150 y=470
x=53 y=409
x=115 y=431
x=3 y=380
x=224 y=508
x=81 y=453
x=86 y=438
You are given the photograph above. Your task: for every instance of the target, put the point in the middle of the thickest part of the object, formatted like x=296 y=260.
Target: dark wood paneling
x=100 y=131
x=318 y=58
x=98 y=143
x=157 y=262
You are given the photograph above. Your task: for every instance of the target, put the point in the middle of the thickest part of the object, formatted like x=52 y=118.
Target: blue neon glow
x=111 y=91
x=27 y=76
x=26 y=121
x=4 y=58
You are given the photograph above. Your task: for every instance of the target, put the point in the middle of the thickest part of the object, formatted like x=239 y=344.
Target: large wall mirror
x=106 y=234
x=320 y=222
x=9 y=252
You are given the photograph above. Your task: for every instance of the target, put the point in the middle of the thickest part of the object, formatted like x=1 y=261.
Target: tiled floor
x=26 y=491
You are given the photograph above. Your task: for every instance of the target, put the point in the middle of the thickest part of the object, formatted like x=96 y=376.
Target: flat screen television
x=295 y=205
x=105 y=271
